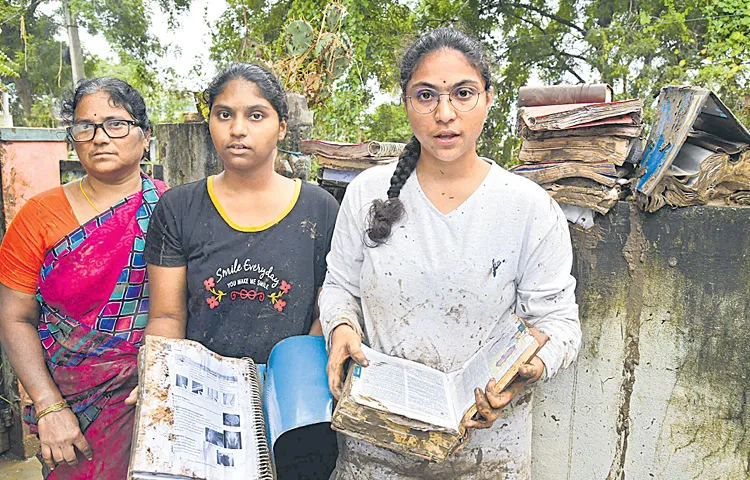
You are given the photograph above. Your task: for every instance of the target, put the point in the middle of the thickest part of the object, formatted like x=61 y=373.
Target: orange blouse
x=42 y=221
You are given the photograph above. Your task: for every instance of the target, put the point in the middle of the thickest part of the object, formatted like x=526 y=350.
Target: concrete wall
x=186 y=152
x=30 y=163
x=30 y=160
x=660 y=388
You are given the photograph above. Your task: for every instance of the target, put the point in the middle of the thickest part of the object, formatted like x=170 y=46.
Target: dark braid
x=407 y=162
x=384 y=213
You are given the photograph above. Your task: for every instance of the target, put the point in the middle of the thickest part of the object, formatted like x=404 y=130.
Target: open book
x=696 y=116
x=414 y=409
x=207 y=417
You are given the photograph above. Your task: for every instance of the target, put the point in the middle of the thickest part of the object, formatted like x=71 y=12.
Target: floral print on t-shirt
x=247 y=281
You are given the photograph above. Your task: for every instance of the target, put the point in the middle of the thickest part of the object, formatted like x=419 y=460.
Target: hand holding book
x=492 y=401
x=415 y=409
x=345 y=344
x=132 y=397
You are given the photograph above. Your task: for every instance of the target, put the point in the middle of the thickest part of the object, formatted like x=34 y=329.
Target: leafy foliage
x=166 y=101
x=638 y=47
x=388 y=123
x=8 y=67
x=28 y=39
x=252 y=30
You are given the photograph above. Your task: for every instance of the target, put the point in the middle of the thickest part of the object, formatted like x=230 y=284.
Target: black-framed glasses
x=114 y=128
x=425 y=100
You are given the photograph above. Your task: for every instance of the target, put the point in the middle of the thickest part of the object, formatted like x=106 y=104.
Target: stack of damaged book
x=579 y=144
x=698 y=153
x=341 y=162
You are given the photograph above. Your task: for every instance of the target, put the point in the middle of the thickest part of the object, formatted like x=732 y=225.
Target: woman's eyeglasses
x=84 y=132
x=425 y=100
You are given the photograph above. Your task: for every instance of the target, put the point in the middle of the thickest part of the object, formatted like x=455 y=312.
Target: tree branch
x=543 y=13
x=573 y=55
x=575 y=74
x=555 y=51
x=526 y=20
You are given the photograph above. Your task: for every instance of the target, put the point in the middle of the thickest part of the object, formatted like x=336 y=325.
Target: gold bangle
x=55 y=407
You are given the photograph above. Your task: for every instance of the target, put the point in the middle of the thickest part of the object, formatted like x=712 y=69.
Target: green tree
x=27 y=37
x=388 y=123
x=252 y=30
x=165 y=99
x=636 y=47
x=724 y=64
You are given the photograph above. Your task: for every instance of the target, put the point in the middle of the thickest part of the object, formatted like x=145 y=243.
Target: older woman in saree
x=73 y=291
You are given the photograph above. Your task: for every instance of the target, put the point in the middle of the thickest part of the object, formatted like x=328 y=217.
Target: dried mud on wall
x=660 y=387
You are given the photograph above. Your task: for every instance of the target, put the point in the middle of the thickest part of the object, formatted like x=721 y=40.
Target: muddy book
x=346 y=151
x=533 y=96
x=201 y=416
x=604 y=173
x=596 y=148
x=354 y=164
x=417 y=410
x=580 y=115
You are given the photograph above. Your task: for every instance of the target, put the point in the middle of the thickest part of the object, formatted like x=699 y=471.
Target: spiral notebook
x=199 y=415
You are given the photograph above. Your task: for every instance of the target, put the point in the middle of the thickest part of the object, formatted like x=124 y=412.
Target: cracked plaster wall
x=660 y=387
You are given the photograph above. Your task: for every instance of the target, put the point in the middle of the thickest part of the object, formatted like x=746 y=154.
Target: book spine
x=564 y=94
x=265 y=465
x=134 y=445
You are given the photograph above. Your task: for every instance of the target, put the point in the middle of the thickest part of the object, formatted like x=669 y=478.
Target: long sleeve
x=546 y=289
x=339 y=299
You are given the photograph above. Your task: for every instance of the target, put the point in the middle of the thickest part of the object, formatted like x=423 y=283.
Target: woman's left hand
x=491 y=402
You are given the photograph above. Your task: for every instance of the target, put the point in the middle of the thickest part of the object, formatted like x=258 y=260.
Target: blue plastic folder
x=295 y=391
x=298 y=407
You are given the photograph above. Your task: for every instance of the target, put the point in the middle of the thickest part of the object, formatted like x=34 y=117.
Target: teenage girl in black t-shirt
x=235 y=261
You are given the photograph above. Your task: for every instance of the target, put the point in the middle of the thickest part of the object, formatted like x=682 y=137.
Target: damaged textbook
x=414 y=409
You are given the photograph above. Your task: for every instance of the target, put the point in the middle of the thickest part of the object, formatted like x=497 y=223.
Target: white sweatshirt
x=439 y=289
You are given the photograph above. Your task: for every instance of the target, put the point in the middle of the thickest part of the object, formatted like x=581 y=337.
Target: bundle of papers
x=534 y=96
x=340 y=162
x=347 y=151
x=581 y=153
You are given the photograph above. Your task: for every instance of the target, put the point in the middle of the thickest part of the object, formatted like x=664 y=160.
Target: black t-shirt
x=248 y=288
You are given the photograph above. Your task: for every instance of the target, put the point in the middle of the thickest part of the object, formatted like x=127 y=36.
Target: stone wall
x=660 y=388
